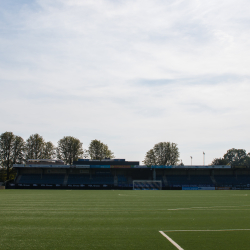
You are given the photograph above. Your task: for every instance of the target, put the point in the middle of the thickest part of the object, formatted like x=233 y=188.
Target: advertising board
x=120 y=166
x=189 y=188
x=82 y=166
x=181 y=167
x=47 y=166
x=198 y=188
x=203 y=167
x=19 y=165
x=223 y=188
x=206 y=188
x=141 y=166
x=100 y=166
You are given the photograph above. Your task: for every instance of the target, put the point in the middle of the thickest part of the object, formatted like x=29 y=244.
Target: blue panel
x=189 y=188
x=161 y=166
x=100 y=166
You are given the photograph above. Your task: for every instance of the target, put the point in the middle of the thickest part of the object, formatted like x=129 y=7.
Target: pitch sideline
x=172 y=241
x=180 y=248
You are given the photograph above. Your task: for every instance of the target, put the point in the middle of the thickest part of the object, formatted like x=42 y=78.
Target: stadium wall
x=122 y=176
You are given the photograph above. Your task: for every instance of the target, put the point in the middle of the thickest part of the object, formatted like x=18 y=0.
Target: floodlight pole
x=203 y=159
x=191 y=159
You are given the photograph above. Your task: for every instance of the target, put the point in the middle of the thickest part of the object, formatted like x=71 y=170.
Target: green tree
x=247 y=160
x=12 y=150
x=219 y=161
x=35 y=147
x=150 y=158
x=98 y=150
x=163 y=153
x=69 y=149
x=49 y=151
x=235 y=157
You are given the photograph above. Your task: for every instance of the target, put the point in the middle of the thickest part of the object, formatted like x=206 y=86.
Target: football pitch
x=152 y=220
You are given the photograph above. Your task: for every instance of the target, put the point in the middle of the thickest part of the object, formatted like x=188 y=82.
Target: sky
x=131 y=73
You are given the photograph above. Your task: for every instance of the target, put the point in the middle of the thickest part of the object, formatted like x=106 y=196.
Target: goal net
x=147 y=185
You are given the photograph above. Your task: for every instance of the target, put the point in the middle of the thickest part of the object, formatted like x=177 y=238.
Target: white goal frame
x=147 y=185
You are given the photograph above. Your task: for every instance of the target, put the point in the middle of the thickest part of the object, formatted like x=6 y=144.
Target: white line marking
x=208 y=230
x=205 y=208
x=173 y=242
x=180 y=248
x=239 y=194
x=126 y=195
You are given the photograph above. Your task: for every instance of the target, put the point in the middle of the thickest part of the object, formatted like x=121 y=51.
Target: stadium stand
x=227 y=180
x=41 y=179
x=121 y=174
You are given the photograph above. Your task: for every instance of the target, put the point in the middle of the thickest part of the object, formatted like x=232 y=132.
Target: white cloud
x=130 y=73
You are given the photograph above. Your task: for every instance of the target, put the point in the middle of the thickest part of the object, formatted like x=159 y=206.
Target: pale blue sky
x=129 y=73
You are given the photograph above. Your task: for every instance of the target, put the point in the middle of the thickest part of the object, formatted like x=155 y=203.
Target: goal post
x=147 y=185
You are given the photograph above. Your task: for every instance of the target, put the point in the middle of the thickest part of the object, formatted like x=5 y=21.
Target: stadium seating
x=87 y=179
x=42 y=179
x=122 y=181
x=230 y=180
x=201 y=180
x=122 y=178
x=108 y=178
x=198 y=180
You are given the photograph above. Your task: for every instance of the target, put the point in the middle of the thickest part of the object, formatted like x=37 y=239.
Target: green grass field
x=67 y=219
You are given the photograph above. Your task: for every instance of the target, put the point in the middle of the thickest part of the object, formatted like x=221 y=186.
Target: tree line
x=234 y=157
x=15 y=150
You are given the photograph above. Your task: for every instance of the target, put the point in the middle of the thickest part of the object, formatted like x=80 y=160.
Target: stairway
x=165 y=181
x=213 y=180
x=115 y=181
x=65 y=181
x=18 y=178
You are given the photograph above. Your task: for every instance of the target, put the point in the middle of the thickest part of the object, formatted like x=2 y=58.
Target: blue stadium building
x=122 y=174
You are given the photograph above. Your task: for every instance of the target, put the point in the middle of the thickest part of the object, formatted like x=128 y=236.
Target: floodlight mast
x=191 y=159
x=203 y=158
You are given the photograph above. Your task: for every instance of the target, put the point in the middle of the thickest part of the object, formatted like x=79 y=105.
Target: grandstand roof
x=105 y=162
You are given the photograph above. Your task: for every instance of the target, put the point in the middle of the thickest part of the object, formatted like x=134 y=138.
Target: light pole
x=191 y=159
x=203 y=159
